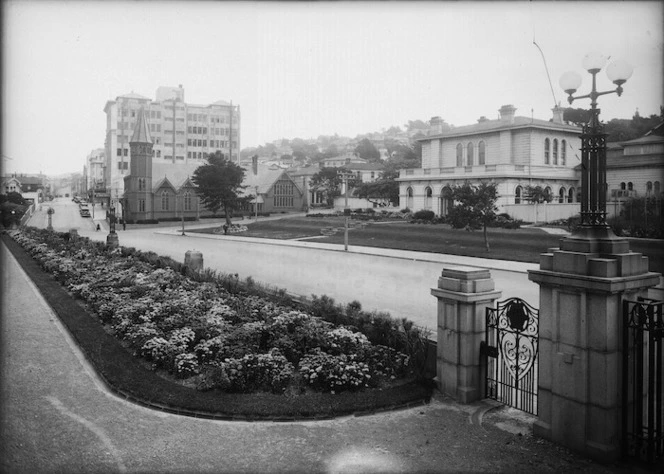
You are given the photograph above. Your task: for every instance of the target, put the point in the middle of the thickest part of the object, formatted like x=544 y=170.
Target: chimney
x=507 y=113
x=436 y=124
x=558 y=114
x=254 y=164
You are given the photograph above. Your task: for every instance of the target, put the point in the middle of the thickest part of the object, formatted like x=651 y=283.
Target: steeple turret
x=141 y=130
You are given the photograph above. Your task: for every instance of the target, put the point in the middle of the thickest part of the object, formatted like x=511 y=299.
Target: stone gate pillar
x=582 y=285
x=463 y=295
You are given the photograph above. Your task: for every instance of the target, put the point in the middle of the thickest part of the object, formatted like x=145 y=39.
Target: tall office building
x=181 y=133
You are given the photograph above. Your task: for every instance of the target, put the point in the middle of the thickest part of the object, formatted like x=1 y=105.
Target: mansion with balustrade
x=513 y=151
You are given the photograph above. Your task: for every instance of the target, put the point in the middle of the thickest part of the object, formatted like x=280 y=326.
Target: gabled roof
x=141 y=130
x=266 y=177
x=177 y=173
x=644 y=139
x=499 y=124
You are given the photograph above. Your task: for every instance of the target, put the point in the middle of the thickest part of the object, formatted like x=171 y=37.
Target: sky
x=304 y=69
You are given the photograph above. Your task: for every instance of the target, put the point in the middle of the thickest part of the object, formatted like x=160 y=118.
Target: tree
x=219 y=185
x=382 y=192
x=367 y=151
x=328 y=181
x=416 y=125
x=13 y=197
x=475 y=207
x=538 y=194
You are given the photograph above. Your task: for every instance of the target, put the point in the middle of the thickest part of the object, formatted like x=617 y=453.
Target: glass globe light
x=570 y=82
x=593 y=62
x=619 y=71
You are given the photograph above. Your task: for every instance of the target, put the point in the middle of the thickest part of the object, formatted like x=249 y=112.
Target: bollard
x=194 y=260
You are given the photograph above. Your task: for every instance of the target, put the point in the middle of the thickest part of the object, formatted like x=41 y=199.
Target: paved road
x=395 y=281
x=57 y=416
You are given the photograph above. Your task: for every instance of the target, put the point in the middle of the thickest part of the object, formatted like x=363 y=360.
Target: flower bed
x=206 y=330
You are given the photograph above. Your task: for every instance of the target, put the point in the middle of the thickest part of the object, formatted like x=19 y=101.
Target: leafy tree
x=382 y=192
x=331 y=151
x=474 y=208
x=367 y=151
x=219 y=185
x=538 y=194
x=13 y=197
x=393 y=130
x=416 y=125
x=328 y=181
x=578 y=117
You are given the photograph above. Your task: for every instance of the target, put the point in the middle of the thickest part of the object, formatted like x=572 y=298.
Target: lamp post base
x=595 y=239
x=112 y=240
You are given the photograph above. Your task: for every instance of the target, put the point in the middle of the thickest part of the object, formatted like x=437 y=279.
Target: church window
x=482 y=153
x=164 y=201
x=428 y=194
x=570 y=196
x=630 y=186
x=141 y=205
x=409 y=198
x=561 y=195
x=555 y=151
x=547 y=150
x=517 y=195
x=649 y=187
x=622 y=186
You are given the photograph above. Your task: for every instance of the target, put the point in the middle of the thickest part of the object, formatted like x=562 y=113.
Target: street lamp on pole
x=593 y=144
x=346 y=176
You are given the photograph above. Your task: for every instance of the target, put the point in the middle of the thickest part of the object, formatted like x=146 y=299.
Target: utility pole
x=256 y=202
x=345 y=176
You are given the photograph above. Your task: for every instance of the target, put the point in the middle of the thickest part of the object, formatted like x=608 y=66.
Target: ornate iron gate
x=510 y=349
x=643 y=371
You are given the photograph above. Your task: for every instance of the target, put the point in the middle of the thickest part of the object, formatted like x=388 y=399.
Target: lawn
x=522 y=245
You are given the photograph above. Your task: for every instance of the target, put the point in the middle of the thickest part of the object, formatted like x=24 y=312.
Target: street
x=397 y=282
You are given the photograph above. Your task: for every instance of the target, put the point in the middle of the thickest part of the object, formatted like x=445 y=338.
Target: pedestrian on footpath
x=124 y=225
x=98 y=228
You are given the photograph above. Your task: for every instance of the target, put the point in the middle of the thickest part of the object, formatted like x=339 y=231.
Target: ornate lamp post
x=593 y=147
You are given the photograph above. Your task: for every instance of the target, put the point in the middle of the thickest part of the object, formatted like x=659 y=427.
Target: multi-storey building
x=94 y=168
x=513 y=152
x=181 y=133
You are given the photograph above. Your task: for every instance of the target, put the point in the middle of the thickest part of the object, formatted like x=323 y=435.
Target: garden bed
x=132 y=303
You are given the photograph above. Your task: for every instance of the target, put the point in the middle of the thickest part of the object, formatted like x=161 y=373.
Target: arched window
x=622 y=186
x=481 y=153
x=164 y=201
x=630 y=186
x=657 y=189
x=563 y=152
x=555 y=151
x=570 y=195
x=547 y=151
x=517 y=195
x=470 y=157
x=187 y=201
x=459 y=154
x=428 y=194
x=649 y=187
x=446 y=200
x=141 y=184
x=409 y=198
x=548 y=193
x=561 y=196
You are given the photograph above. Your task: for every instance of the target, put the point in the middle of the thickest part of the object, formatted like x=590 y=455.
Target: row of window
x=549 y=152
x=465 y=155
x=650 y=187
x=156 y=114
x=564 y=196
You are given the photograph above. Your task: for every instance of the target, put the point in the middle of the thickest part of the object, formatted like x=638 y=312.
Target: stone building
x=513 y=151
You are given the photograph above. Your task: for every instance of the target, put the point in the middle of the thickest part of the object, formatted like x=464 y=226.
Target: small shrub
x=424 y=215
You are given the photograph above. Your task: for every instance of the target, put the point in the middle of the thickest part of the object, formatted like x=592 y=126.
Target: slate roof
x=265 y=179
x=498 y=124
x=176 y=173
x=141 y=130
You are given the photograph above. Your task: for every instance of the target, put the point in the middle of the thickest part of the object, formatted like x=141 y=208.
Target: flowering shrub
x=205 y=329
x=334 y=373
x=270 y=371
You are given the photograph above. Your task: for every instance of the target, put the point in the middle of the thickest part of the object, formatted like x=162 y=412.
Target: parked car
x=85 y=212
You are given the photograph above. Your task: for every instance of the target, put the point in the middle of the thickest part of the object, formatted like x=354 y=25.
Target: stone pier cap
x=464 y=280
